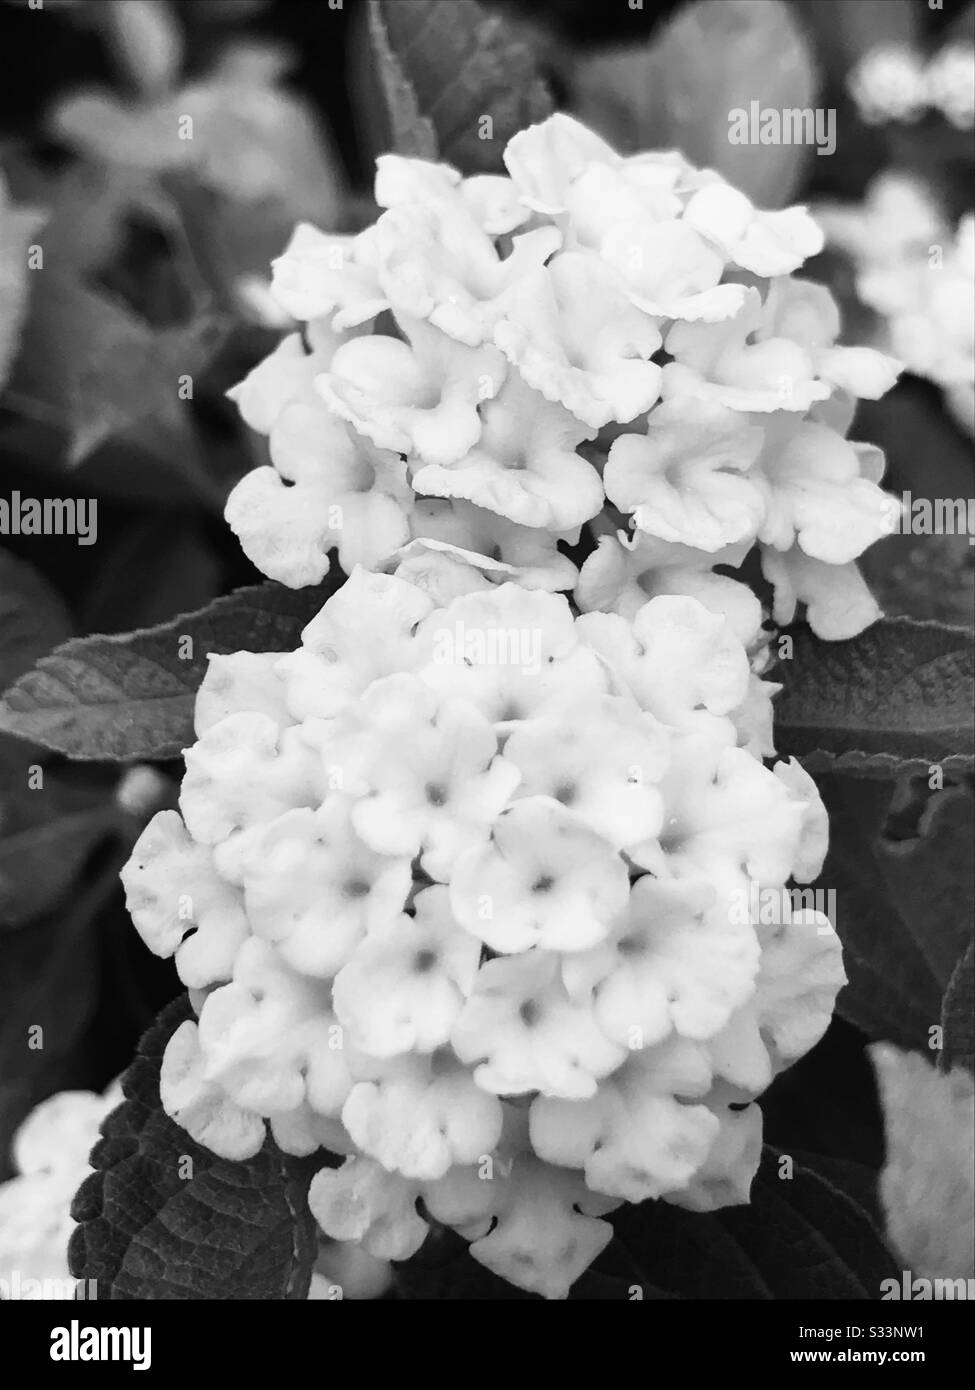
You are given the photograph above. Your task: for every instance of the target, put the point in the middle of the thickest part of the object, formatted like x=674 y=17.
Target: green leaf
x=149 y=1231
x=131 y=697
x=711 y=58
x=443 y=65
x=895 y=701
x=900 y=865
x=800 y=1237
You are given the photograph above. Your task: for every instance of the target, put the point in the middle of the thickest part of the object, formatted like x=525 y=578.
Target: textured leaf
x=894 y=701
x=712 y=57
x=445 y=64
x=149 y=1231
x=131 y=697
x=900 y=864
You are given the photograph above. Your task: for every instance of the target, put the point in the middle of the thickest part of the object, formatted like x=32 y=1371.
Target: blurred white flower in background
x=50 y=1153
x=917 y=273
x=894 y=82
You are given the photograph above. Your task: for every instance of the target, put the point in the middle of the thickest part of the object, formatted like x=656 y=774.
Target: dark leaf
x=131 y=697
x=901 y=869
x=799 y=1237
x=162 y=1218
x=802 y=1236
x=894 y=701
x=446 y=65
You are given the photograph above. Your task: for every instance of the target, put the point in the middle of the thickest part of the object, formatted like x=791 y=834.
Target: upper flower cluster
x=477 y=894
x=589 y=340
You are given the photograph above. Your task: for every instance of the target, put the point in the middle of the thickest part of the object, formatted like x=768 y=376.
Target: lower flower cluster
x=465 y=893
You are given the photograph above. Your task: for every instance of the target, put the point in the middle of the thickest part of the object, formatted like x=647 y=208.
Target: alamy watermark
x=922 y=1290
x=17 y=1288
x=770 y=125
x=934 y=516
x=492 y=646
x=50 y=516
x=773 y=907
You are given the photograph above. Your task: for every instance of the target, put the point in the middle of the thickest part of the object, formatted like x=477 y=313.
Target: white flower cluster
x=918 y=274
x=590 y=340
x=895 y=82
x=477 y=895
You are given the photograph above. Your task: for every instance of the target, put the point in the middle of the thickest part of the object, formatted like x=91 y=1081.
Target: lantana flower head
x=590 y=344
x=463 y=891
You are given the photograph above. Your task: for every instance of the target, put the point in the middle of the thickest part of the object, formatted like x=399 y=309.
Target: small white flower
x=535 y=1225
x=360 y=1201
x=321 y=276
x=544 y=879
x=525 y=465
x=574 y=336
x=314 y=888
x=419 y=398
x=671 y=964
x=422 y=1116
x=800 y=975
x=687 y=479
x=405 y=986
x=179 y=904
x=436 y=263
x=639 y=1136
x=522 y=1032
x=675 y=657
x=600 y=759
x=838 y=603
x=766 y=243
